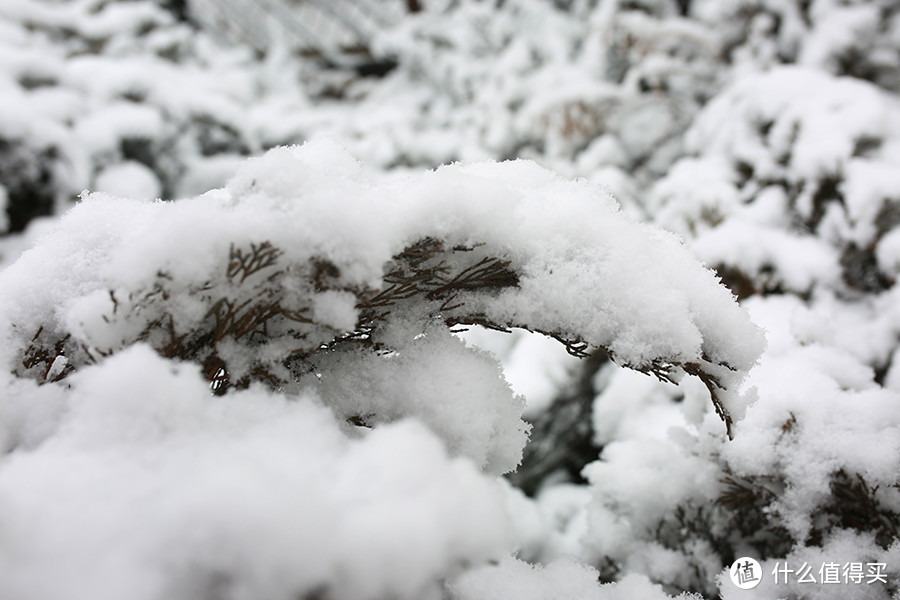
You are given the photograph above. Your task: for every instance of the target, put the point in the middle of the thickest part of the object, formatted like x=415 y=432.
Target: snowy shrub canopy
x=523 y=299
x=334 y=284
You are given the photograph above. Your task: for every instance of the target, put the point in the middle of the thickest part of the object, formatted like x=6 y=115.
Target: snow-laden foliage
x=122 y=97
x=313 y=264
x=762 y=132
x=799 y=198
x=145 y=487
x=789 y=191
x=610 y=89
x=333 y=285
x=856 y=38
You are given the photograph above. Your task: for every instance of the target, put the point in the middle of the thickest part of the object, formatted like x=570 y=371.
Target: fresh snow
x=697 y=188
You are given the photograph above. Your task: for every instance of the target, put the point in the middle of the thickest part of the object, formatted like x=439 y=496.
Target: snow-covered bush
x=311 y=282
x=856 y=38
x=268 y=386
x=121 y=97
x=798 y=158
x=615 y=85
x=788 y=189
x=126 y=98
x=812 y=167
x=795 y=209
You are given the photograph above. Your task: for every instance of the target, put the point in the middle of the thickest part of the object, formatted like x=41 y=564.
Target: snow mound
x=146 y=488
x=563 y=578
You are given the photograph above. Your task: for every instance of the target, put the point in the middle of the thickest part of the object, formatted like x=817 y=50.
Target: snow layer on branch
x=804 y=176
x=269 y=494
x=138 y=484
x=585 y=271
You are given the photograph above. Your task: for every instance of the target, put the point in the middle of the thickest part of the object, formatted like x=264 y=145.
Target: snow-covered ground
x=250 y=302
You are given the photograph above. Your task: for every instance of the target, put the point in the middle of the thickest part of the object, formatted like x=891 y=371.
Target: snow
x=626 y=160
x=779 y=259
x=129 y=179
x=830 y=438
x=889 y=253
x=695 y=196
x=613 y=415
x=869 y=186
x=102 y=131
x=465 y=399
x=626 y=494
x=660 y=305
x=100 y=264
x=563 y=578
x=146 y=488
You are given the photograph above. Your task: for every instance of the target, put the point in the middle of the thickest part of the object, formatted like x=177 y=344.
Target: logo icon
x=746 y=573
